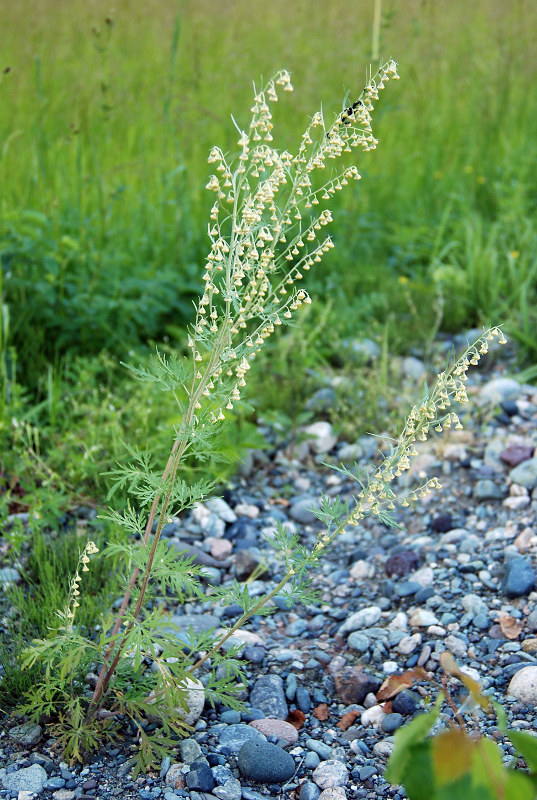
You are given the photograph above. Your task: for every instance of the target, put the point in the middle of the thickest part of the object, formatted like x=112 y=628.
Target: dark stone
x=232 y=611
x=424 y=593
x=242 y=528
x=402 y=563
x=265 y=763
x=309 y=791
x=303 y=699
x=516 y=454
x=391 y=722
x=268 y=695
x=200 y=778
x=519 y=578
x=405 y=703
x=442 y=523
x=254 y=654
x=352 y=685
x=407 y=588
x=509 y=407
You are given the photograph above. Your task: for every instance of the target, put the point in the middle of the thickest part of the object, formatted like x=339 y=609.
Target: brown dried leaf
x=511 y=627
x=296 y=718
x=396 y=683
x=346 y=720
x=321 y=712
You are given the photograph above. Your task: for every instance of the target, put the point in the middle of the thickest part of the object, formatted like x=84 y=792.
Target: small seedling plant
x=267 y=229
x=457 y=762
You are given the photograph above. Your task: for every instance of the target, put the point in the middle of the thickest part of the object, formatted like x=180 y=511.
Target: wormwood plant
x=266 y=232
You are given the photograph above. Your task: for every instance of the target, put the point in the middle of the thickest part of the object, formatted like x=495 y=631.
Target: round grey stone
x=265 y=763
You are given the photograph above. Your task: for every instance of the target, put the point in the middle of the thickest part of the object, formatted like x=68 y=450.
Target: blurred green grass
x=108 y=116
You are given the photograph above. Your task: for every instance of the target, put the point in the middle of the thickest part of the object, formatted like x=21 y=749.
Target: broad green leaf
x=487 y=767
x=407 y=736
x=463 y=789
x=526 y=745
x=418 y=777
x=452 y=755
x=519 y=786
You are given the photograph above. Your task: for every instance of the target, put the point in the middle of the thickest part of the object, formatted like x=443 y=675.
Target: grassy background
x=108 y=116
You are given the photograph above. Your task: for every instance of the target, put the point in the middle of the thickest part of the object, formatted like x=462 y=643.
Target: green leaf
x=408 y=736
x=526 y=745
x=452 y=755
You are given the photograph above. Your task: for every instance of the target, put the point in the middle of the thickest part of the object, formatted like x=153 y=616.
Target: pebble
x=283 y=731
x=322 y=437
x=268 y=695
x=330 y=774
x=519 y=578
x=364 y=618
x=525 y=474
x=27 y=734
x=234 y=736
x=523 y=685
x=27 y=779
x=264 y=762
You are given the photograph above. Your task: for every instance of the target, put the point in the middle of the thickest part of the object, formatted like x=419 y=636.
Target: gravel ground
x=460 y=578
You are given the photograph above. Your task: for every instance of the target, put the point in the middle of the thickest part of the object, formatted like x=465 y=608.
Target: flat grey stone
x=28 y=779
x=234 y=736
x=268 y=695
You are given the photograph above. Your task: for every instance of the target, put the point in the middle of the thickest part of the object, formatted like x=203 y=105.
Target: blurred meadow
x=108 y=115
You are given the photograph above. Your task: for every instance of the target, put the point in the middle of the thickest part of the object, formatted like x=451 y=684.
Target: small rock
x=330 y=774
x=308 y=791
x=525 y=474
x=519 y=578
x=361 y=570
x=284 y=731
x=391 y=722
x=405 y=703
x=499 y=390
x=523 y=686
x=456 y=645
x=337 y=793
x=263 y=762
x=365 y=618
x=301 y=509
x=442 y=523
x=401 y=563
x=268 y=695
x=352 y=685
x=63 y=794
x=190 y=751
x=219 y=548
x=234 y=737
x=28 y=779
x=358 y=641
x=246 y=510
x=487 y=490
x=175 y=777
x=219 y=506
x=414 y=368
x=27 y=734
x=200 y=778
x=373 y=716
x=230 y=790
x=408 y=644
x=322 y=435
x=516 y=454
x=422 y=618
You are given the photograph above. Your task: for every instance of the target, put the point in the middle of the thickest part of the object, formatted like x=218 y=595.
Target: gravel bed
x=460 y=577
